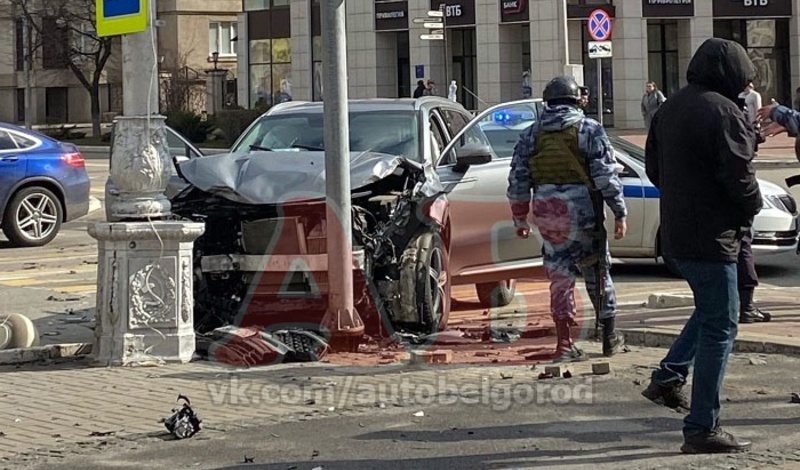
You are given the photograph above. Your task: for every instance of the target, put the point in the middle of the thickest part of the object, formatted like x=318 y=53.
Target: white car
x=776 y=226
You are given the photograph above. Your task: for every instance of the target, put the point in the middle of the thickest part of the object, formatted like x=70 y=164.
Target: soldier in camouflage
x=556 y=162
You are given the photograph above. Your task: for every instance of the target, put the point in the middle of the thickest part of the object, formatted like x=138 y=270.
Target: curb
x=655 y=338
x=43 y=353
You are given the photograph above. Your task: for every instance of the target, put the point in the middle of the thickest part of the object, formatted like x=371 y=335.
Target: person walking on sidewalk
x=699 y=155
x=752 y=103
x=561 y=158
x=651 y=101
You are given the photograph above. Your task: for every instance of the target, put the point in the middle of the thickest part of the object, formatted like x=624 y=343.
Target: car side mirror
x=473 y=154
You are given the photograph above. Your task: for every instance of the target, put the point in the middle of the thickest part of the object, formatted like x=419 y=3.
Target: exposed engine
x=263 y=264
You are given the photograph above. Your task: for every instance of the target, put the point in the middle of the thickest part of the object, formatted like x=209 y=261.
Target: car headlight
x=766 y=204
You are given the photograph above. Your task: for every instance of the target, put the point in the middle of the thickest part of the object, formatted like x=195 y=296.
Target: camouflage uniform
x=563 y=213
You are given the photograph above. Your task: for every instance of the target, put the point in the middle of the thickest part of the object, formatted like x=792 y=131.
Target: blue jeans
x=706 y=339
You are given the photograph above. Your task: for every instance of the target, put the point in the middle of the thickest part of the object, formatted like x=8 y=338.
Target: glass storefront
x=270 y=55
x=767 y=44
x=662 y=55
x=464 y=71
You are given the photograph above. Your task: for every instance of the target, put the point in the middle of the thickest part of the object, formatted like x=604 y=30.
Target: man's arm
x=519 y=178
x=787 y=118
x=651 y=155
x=735 y=145
x=603 y=167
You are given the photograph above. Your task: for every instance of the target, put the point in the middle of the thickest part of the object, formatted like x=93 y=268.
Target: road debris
x=419 y=414
x=440 y=356
x=184 y=422
x=545 y=375
x=505 y=376
x=795 y=398
x=601 y=368
x=557 y=371
x=248 y=459
x=102 y=433
x=249 y=347
x=754 y=361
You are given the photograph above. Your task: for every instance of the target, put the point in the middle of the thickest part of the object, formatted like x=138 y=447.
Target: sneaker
x=756 y=315
x=573 y=354
x=716 y=441
x=671 y=396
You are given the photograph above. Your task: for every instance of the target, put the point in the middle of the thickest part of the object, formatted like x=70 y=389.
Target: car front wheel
x=426 y=268
x=496 y=294
x=33 y=217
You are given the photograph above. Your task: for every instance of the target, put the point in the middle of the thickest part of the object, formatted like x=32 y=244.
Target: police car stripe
x=635 y=191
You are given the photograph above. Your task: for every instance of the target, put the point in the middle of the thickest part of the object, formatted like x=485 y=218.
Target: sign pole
x=442 y=8
x=600 y=91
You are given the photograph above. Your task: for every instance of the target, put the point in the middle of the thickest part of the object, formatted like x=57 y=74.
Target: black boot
x=566 y=350
x=716 y=441
x=748 y=312
x=672 y=395
x=613 y=342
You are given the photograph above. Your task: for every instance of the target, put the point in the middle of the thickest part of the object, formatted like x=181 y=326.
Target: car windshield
x=635 y=152
x=504 y=126
x=391 y=132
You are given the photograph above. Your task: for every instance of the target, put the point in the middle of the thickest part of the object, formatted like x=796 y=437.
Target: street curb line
x=43 y=353
x=654 y=338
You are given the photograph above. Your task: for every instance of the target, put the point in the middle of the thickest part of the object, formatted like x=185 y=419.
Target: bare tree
x=62 y=31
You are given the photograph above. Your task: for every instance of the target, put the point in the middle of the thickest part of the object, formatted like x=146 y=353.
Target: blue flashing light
x=506 y=117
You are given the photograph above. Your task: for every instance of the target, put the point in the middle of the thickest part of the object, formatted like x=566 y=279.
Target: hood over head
x=556 y=118
x=722 y=66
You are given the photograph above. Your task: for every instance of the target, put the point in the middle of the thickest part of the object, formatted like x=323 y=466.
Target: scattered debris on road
x=184 y=422
x=601 y=368
x=419 y=414
x=795 y=398
x=249 y=347
x=754 y=361
x=248 y=459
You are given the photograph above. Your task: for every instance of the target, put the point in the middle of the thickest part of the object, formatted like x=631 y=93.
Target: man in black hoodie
x=698 y=153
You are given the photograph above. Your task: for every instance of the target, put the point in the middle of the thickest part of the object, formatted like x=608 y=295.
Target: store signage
x=667 y=8
x=458 y=12
x=512 y=11
x=751 y=8
x=391 y=15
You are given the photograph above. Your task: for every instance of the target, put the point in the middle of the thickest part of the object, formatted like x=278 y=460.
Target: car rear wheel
x=496 y=294
x=33 y=217
x=430 y=277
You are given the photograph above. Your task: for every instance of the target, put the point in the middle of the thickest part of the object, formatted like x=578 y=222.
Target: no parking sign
x=599 y=25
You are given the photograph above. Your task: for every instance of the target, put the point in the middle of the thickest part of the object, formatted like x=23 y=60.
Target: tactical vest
x=558 y=159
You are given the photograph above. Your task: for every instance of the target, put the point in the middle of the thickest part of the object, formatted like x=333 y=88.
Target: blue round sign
x=599 y=25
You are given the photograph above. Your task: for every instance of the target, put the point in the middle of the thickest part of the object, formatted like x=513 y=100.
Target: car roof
x=371 y=104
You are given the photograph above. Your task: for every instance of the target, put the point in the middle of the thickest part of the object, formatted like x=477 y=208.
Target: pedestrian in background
x=561 y=158
x=699 y=155
x=752 y=103
x=431 y=91
x=419 y=92
x=584 y=102
x=651 y=101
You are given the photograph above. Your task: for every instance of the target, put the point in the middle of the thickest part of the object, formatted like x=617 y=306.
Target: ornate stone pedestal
x=144 y=297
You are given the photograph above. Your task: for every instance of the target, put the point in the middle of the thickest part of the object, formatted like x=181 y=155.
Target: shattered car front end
x=262 y=261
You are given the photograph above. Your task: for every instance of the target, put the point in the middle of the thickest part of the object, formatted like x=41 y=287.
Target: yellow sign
x=117 y=17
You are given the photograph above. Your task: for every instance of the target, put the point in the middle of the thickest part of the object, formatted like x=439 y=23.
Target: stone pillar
x=489 y=59
x=301 y=50
x=214 y=90
x=144 y=277
x=145 y=292
x=691 y=34
x=630 y=68
x=547 y=44
x=794 y=53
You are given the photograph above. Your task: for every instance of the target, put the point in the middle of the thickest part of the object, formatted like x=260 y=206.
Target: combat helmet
x=562 y=88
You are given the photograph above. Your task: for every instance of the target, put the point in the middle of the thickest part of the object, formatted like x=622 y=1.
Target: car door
x=181 y=151
x=483 y=234
x=634 y=192
x=12 y=166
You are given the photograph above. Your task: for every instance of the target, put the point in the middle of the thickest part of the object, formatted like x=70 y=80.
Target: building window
x=464 y=68
x=256 y=5
x=20 y=105
x=767 y=44
x=316 y=67
x=662 y=55
x=403 y=65
x=86 y=40
x=220 y=38
x=270 y=71
x=55 y=44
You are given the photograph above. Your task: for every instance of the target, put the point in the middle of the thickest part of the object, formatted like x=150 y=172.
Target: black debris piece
x=184 y=422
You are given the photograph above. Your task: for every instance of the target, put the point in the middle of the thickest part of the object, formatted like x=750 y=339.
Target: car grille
x=789 y=203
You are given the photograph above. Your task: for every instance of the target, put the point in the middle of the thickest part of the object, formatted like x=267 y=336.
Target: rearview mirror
x=473 y=154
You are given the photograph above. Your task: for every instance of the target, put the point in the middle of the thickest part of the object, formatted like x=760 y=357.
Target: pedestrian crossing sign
x=118 y=17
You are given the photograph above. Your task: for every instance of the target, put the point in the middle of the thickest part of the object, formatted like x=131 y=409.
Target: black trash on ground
x=184 y=423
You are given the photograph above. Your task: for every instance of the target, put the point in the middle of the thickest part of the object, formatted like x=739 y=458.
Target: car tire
x=33 y=205
x=496 y=294
x=429 y=273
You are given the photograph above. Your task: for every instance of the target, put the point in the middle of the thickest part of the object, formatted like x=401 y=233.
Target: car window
x=473 y=135
x=23 y=141
x=629 y=148
x=384 y=131
x=438 y=140
x=177 y=147
x=454 y=120
x=6 y=142
x=504 y=127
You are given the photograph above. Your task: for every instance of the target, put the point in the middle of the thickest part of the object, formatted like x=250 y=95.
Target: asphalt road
x=616 y=428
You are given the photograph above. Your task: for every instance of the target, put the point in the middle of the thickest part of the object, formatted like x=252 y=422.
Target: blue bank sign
x=117 y=17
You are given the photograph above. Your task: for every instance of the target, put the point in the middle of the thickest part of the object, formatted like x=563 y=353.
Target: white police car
x=776 y=226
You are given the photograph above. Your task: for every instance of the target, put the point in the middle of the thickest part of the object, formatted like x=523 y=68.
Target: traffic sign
x=421 y=20
x=432 y=25
x=431 y=37
x=436 y=13
x=599 y=25
x=118 y=17
x=599 y=49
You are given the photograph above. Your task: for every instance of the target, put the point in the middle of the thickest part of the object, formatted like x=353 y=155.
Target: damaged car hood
x=282 y=176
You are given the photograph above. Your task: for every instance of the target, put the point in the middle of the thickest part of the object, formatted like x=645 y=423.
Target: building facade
x=191 y=33
x=492 y=43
